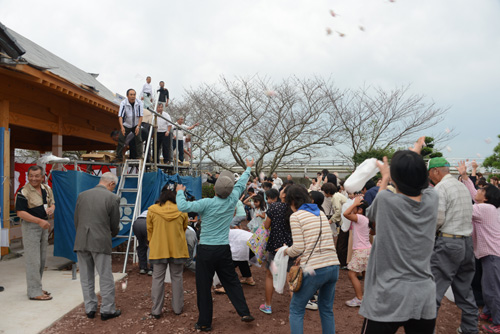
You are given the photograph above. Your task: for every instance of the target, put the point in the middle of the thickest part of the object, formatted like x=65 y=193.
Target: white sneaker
x=355 y=302
x=311 y=306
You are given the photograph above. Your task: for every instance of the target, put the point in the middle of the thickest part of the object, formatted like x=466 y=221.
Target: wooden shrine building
x=48 y=104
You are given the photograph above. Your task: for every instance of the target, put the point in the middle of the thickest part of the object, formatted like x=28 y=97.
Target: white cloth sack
x=279 y=266
x=238 y=243
x=361 y=175
x=346 y=223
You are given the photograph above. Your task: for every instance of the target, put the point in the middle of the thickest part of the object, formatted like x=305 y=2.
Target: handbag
x=296 y=272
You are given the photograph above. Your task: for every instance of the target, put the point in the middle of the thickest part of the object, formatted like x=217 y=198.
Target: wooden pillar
x=57 y=140
x=5 y=177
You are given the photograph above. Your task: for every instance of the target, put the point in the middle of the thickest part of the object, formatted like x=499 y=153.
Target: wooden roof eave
x=64 y=87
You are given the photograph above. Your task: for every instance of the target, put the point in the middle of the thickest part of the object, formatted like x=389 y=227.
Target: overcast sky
x=448 y=50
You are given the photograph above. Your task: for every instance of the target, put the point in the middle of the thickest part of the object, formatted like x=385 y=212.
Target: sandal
x=42 y=297
x=244 y=281
x=46 y=293
x=220 y=291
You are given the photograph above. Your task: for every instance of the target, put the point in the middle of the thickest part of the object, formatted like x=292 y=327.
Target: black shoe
x=91 y=315
x=247 y=318
x=202 y=328
x=107 y=316
x=156 y=316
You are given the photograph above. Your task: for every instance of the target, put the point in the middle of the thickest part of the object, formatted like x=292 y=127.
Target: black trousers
x=165 y=145
x=244 y=268
x=342 y=247
x=141 y=233
x=210 y=260
x=476 y=284
x=412 y=326
x=137 y=142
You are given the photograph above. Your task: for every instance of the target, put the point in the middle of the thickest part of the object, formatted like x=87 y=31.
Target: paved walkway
x=18 y=314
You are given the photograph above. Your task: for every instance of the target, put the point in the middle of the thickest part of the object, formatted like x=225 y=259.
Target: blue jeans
x=324 y=280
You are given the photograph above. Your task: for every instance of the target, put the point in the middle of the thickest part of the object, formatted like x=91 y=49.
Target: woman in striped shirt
x=313 y=241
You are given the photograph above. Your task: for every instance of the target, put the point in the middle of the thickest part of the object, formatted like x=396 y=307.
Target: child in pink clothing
x=361 y=247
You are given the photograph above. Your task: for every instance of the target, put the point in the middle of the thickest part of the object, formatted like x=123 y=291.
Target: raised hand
x=250 y=163
x=180 y=187
x=462 y=168
x=384 y=168
x=417 y=147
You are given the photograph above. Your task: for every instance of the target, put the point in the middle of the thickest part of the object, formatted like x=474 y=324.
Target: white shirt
x=147 y=88
x=180 y=133
x=187 y=144
x=163 y=124
x=278 y=182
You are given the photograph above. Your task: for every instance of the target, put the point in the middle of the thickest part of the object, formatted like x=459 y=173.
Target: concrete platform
x=18 y=314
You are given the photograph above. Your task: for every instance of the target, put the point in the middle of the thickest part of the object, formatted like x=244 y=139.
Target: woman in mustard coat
x=167 y=248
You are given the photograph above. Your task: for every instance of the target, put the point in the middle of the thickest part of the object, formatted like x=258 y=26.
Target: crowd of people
x=409 y=236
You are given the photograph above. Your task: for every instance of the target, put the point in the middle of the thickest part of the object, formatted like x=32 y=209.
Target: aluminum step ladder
x=132 y=169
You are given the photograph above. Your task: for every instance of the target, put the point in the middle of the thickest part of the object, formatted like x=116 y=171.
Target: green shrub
x=207 y=190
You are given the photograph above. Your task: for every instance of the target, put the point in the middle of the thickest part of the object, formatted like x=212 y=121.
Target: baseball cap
x=224 y=184
x=438 y=162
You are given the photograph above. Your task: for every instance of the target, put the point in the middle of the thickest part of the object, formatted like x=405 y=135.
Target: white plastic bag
x=278 y=269
x=361 y=175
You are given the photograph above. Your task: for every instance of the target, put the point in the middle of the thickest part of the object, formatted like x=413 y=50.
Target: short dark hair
x=369 y=184
x=267 y=185
x=297 y=195
x=482 y=182
x=318 y=198
x=363 y=206
x=114 y=133
x=167 y=195
x=492 y=195
x=409 y=172
x=251 y=190
x=329 y=188
x=331 y=178
x=129 y=90
x=162 y=81
x=325 y=172
x=35 y=168
x=272 y=194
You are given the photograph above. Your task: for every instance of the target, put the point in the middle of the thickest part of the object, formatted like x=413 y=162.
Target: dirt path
x=135 y=303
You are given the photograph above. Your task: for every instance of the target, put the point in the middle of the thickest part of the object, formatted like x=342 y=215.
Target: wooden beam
x=33 y=123
x=53 y=127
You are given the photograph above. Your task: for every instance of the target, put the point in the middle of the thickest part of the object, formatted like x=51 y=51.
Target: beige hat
x=224 y=184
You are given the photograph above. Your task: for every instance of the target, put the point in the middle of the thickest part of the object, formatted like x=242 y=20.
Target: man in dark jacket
x=97 y=219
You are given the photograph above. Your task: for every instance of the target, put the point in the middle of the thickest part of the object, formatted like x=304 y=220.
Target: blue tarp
x=67 y=185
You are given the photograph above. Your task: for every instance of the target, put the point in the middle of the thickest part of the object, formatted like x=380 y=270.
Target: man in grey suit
x=97 y=219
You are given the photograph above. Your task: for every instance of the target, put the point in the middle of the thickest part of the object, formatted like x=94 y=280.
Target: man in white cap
x=214 y=253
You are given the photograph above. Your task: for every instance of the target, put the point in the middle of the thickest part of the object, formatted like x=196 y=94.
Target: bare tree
x=377 y=119
x=274 y=123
